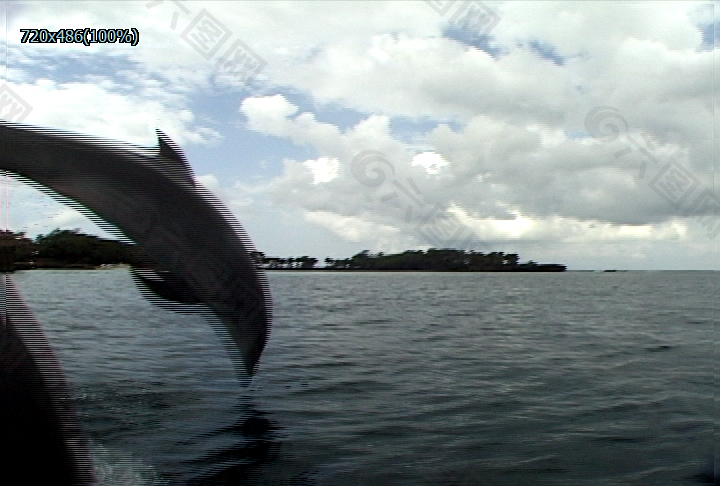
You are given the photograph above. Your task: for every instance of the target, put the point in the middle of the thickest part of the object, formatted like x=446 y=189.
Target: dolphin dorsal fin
x=172 y=162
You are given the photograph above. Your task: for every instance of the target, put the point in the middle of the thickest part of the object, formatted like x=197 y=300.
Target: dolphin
x=192 y=250
x=42 y=441
x=195 y=251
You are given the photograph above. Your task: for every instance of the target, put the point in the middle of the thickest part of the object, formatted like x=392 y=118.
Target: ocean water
x=576 y=378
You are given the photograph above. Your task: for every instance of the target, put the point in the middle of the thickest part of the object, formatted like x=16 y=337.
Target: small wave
x=116 y=468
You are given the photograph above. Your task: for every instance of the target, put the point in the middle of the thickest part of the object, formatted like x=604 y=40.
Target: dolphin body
x=198 y=252
x=195 y=252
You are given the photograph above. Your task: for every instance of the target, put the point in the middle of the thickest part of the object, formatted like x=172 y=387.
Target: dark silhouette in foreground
x=42 y=441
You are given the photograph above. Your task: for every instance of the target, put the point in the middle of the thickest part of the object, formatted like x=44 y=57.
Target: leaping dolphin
x=195 y=249
x=150 y=197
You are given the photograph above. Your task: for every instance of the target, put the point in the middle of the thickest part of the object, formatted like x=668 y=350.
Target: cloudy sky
x=570 y=132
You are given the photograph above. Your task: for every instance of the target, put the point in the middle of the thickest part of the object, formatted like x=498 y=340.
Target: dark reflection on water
x=250 y=446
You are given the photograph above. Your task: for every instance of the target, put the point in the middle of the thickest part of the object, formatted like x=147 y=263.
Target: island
x=76 y=250
x=63 y=249
x=431 y=260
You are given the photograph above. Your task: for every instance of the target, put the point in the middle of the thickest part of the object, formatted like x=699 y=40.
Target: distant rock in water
x=662 y=347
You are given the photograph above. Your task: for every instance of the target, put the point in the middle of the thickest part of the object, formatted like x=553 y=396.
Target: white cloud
x=269 y=114
x=351 y=228
x=68 y=217
x=323 y=169
x=430 y=161
x=75 y=107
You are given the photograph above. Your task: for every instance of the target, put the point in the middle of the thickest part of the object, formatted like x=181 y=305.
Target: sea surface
x=576 y=378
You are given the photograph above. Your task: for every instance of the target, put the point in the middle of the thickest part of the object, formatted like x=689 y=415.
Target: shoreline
x=61 y=266
x=111 y=266
x=520 y=270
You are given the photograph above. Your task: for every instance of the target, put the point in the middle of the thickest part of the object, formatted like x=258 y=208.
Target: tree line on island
x=62 y=249
x=73 y=249
x=433 y=259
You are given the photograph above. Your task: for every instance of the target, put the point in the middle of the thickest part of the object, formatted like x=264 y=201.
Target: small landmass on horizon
x=75 y=250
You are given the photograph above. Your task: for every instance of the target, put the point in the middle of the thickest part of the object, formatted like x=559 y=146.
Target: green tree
x=73 y=247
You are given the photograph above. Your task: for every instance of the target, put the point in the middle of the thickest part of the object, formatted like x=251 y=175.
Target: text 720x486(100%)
x=85 y=36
